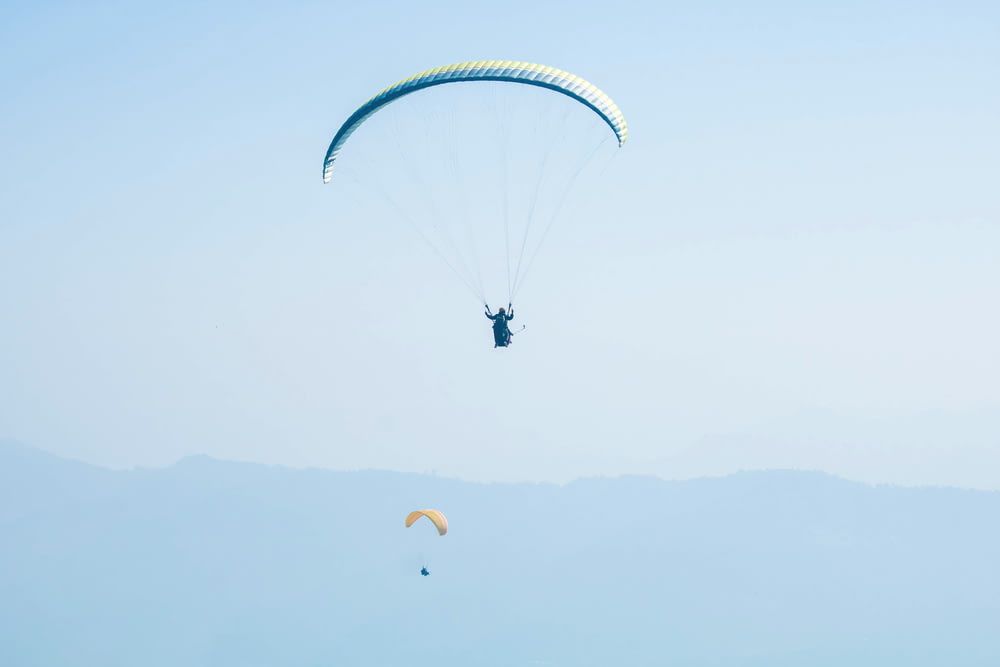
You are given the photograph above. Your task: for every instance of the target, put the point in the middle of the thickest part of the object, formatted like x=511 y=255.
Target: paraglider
x=501 y=332
x=480 y=183
x=439 y=520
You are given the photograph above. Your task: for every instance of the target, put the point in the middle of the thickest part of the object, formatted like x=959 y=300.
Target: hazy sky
x=794 y=262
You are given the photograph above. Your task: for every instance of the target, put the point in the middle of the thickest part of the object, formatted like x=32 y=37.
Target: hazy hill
x=218 y=563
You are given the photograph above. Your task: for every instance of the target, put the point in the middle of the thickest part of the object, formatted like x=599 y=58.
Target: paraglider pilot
x=424 y=571
x=501 y=332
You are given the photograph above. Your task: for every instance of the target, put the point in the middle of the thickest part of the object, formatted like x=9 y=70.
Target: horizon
x=14 y=444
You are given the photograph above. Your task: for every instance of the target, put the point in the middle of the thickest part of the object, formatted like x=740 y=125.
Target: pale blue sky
x=798 y=263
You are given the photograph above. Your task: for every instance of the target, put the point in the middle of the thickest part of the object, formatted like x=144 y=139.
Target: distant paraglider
x=439 y=520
